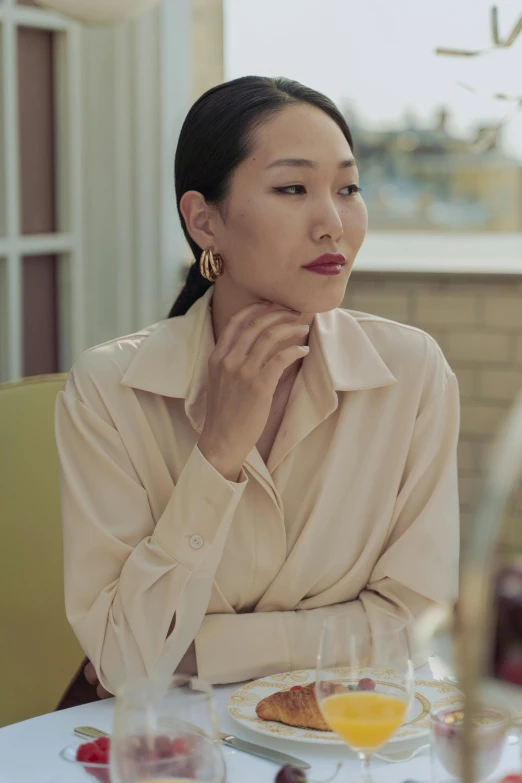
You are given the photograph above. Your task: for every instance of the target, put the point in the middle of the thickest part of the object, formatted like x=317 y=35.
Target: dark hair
x=217 y=136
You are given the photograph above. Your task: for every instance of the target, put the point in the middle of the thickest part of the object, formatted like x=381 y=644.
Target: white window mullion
x=69 y=180
x=147 y=191
x=123 y=179
x=75 y=159
x=36 y=244
x=14 y=346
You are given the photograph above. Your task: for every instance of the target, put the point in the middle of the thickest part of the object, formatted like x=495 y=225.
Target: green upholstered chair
x=39 y=653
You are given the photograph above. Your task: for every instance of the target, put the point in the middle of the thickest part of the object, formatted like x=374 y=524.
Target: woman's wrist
x=228 y=469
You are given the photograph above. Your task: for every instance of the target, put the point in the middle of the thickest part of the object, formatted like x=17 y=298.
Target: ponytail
x=194 y=288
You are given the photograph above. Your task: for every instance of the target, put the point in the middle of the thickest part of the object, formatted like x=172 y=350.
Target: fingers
x=90 y=674
x=264 y=327
x=102 y=693
x=278 y=363
x=92 y=678
x=233 y=327
x=270 y=341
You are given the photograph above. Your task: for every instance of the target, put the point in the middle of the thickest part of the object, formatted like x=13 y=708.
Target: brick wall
x=477 y=321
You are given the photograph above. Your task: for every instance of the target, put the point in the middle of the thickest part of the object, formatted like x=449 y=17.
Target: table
x=29 y=751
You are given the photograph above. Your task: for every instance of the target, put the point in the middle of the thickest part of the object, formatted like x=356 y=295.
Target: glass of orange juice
x=166 y=732
x=364 y=683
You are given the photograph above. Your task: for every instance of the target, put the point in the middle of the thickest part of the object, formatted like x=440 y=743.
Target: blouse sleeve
x=135 y=592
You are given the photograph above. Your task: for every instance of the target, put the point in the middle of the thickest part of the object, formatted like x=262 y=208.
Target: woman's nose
x=327 y=221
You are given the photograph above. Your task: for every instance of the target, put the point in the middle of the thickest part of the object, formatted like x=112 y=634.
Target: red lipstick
x=327 y=264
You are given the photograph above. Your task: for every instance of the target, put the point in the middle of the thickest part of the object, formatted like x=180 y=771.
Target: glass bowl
x=490 y=732
x=100 y=772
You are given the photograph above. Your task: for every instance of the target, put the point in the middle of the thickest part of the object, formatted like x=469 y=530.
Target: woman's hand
x=92 y=678
x=244 y=369
x=188 y=666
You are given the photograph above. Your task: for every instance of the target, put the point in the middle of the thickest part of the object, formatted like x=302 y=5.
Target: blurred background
x=90 y=246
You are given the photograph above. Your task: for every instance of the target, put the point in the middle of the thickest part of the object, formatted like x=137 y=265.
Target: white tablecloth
x=29 y=751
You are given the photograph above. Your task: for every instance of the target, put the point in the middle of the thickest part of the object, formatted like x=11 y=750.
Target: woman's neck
x=227 y=300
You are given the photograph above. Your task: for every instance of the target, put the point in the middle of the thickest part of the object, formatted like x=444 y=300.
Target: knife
x=234 y=742
x=265 y=753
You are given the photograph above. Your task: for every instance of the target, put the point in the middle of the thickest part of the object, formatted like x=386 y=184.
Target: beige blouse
x=355 y=511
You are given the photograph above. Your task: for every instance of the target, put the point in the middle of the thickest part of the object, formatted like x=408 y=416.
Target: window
x=437 y=151
x=40 y=251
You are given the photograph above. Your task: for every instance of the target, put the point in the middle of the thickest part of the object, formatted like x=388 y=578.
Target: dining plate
x=429 y=694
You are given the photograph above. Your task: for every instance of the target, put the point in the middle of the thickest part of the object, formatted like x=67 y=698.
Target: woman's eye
x=353 y=189
x=292 y=190
x=298 y=190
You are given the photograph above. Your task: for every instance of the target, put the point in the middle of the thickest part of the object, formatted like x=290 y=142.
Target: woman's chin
x=317 y=301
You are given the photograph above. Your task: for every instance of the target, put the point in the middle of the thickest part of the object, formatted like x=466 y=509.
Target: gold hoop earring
x=210 y=265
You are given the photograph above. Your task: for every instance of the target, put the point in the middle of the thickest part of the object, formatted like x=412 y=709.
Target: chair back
x=39 y=653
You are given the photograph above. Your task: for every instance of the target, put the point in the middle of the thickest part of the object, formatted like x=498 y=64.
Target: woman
x=261 y=459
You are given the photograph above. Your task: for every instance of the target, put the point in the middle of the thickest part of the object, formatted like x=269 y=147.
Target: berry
x=91 y=753
x=163 y=747
x=513 y=778
x=84 y=751
x=103 y=743
x=101 y=774
x=288 y=774
x=297 y=688
x=180 y=747
x=366 y=684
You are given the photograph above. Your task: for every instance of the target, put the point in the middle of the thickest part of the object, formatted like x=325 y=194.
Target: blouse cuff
x=199 y=513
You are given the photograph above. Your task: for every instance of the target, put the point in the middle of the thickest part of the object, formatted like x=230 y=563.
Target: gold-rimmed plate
x=429 y=694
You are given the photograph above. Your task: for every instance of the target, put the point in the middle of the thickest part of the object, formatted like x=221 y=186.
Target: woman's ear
x=198 y=218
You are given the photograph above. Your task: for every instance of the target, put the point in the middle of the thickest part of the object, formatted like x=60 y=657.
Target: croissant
x=295 y=708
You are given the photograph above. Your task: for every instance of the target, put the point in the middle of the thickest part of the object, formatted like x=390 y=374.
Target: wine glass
x=364 y=684
x=166 y=733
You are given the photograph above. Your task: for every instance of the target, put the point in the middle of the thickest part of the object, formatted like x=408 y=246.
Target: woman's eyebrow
x=309 y=164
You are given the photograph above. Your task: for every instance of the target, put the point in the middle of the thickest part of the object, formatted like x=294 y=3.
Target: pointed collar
x=172 y=359
x=350 y=360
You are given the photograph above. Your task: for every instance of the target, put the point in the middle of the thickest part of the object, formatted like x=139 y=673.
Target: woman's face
x=291 y=201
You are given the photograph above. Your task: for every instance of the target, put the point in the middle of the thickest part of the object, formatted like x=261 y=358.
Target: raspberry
x=163 y=747
x=83 y=753
x=92 y=753
x=513 y=778
x=366 y=684
x=97 y=756
x=103 y=775
x=180 y=747
x=297 y=688
x=103 y=743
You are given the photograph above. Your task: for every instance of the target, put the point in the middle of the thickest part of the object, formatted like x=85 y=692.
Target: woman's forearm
x=237 y=647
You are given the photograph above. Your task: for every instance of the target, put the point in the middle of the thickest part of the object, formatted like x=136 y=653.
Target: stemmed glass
x=364 y=684
x=166 y=733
